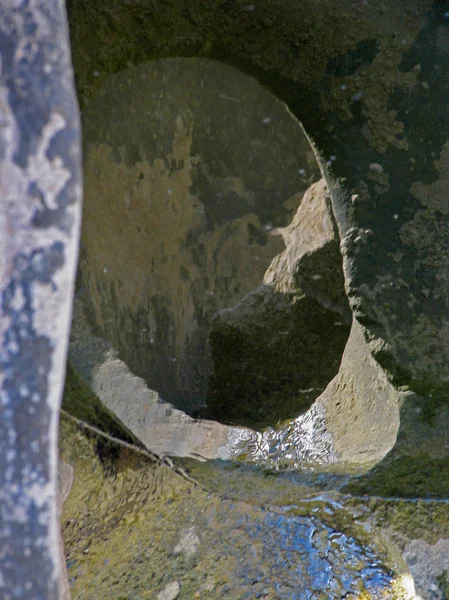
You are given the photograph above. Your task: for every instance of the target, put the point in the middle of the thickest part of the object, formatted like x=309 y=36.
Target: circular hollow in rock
x=191 y=170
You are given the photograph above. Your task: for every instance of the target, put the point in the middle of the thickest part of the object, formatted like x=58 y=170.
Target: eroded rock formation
x=189 y=166
x=278 y=348
x=369 y=84
x=371 y=93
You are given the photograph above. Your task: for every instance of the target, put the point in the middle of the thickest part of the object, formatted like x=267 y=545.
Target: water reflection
x=131 y=525
x=301 y=558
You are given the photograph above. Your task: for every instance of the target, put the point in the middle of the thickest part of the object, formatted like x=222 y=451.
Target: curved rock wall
x=190 y=166
x=369 y=83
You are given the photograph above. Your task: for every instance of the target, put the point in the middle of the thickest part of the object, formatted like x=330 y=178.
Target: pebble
x=188 y=543
x=376 y=167
x=170 y=591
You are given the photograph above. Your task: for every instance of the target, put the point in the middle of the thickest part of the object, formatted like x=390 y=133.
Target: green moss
x=112 y=520
x=120 y=526
x=83 y=404
x=416 y=520
x=443 y=584
x=418 y=476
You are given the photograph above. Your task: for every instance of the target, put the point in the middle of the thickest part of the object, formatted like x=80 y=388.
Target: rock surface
x=40 y=210
x=371 y=93
x=118 y=544
x=170 y=592
x=404 y=527
x=354 y=423
x=312 y=260
x=361 y=406
x=179 y=207
x=162 y=428
x=278 y=348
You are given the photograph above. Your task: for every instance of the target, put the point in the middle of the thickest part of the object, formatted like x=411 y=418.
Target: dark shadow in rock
x=418 y=465
x=189 y=166
x=273 y=359
x=363 y=54
x=182 y=218
x=277 y=350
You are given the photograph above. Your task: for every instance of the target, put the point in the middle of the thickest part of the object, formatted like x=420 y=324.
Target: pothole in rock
x=209 y=255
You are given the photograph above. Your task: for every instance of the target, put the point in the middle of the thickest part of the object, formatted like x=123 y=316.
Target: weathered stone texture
x=311 y=261
x=370 y=90
x=189 y=166
x=361 y=406
x=39 y=224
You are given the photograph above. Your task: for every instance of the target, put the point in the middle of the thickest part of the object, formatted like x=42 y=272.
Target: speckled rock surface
x=40 y=210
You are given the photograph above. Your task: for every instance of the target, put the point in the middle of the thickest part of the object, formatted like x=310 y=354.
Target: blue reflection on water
x=309 y=560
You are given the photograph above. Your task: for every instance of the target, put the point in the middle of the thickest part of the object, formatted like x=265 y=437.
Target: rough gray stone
x=428 y=563
x=170 y=591
x=188 y=542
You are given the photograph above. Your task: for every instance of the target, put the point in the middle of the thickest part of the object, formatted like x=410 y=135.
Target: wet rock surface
x=207 y=545
x=135 y=529
x=296 y=518
x=362 y=472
